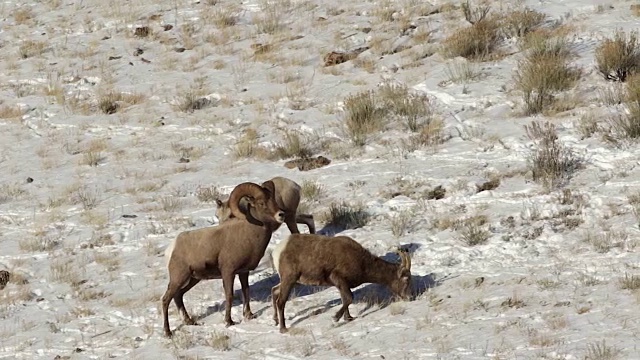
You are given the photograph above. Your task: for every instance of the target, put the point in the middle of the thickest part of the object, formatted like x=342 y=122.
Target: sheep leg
x=227 y=284
x=307 y=219
x=178 y=299
x=347 y=298
x=246 y=309
x=275 y=292
x=291 y=223
x=284 y=289
x=173 y=288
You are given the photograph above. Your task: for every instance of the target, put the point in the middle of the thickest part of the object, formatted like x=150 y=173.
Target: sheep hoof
x=284 y=330
x=190 y=322
x=168 y=333
x=349 y=318
x=250 y=316
x=230 y=323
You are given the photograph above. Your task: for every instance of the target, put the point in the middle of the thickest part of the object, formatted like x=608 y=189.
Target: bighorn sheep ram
x=221 y=252
x=287 y=193
x=333 y=261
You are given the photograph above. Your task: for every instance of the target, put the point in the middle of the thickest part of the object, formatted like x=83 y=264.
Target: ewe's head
x=223 y=212
x=402 y=286
x=260 y=203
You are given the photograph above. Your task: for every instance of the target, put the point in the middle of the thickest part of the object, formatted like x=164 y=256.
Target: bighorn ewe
x=221 y=252
x=287 y=193
x=333 y=261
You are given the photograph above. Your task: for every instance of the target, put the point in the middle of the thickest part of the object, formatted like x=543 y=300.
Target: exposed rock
x=142 y=31
x=306 y=164
x=4 y=278
x=488 y=185
x=337 y=57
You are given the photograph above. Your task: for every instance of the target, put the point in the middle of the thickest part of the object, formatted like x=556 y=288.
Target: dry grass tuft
x=31 y=48
x=271 y=19
x=412 y=108
x=385 y=10
x=193 y=98
x=478 y=42
x=475 y=14
x=92 y=158
x=225 y=16
x=627 y=125
x=402 y=223
x=369 y=112
x=629 y=282
x=171 y=203
x=247 y=146
x=462 y=71
x=363 y=117
x=601 y=351
x=519 y=23
x=619 y=57
x=604 y=241
x=311 y=190
x=587 y=125
x=431 y=135
x=295 y=145
x=473 y=231
x=208 y=194
x=9 y=192
x=10 y=112
x=188 y=152
x=220 y=341
x=88 y=197
x=110 y=102
x=344 y=216
x=23 y=15
x=63 y=271
x=551 y=162
x=543 y=73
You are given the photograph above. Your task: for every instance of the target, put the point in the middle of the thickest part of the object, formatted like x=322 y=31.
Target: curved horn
x=401 y=256
x=240 y=191
x=407 y=261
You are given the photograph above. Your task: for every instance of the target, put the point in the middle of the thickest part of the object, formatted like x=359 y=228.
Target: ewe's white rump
x=169 y=251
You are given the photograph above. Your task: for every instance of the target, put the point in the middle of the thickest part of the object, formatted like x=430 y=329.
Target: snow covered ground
x=90 y=200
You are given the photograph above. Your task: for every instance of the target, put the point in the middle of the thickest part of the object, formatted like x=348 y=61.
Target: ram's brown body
x=223 y=251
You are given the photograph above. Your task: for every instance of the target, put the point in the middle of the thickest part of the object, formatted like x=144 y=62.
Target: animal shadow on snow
x=375 y=296
x=332 y=228
x=260 y=291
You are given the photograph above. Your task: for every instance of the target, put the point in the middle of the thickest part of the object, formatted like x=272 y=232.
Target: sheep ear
x=250 y=201
x=269 y=185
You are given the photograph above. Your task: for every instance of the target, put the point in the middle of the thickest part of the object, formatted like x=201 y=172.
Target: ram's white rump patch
x=277 y=251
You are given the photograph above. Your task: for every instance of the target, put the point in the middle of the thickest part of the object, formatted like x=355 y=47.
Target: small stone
x=142 y=31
